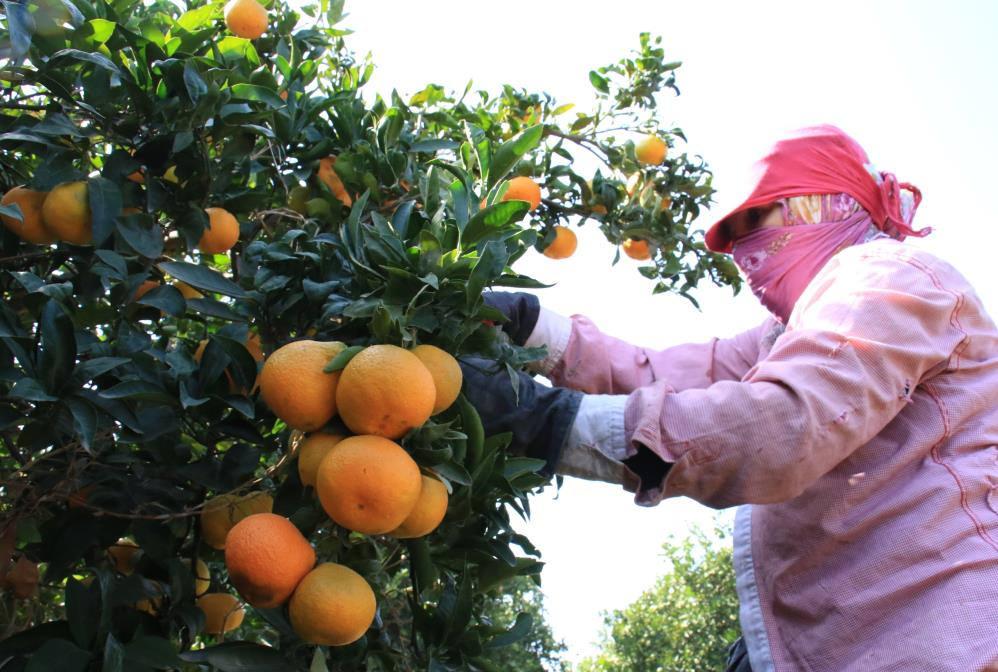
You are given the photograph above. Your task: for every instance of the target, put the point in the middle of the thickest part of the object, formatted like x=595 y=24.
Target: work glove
x=540 y=420
x=521 y=311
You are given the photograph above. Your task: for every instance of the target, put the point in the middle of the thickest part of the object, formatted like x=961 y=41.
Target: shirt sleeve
x=867 y=330
x=596 y=363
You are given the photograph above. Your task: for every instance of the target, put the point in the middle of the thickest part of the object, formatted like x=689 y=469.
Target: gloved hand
x=520 y=309
x=540 y=422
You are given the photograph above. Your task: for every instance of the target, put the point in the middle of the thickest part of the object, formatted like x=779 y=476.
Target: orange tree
x=189 y=187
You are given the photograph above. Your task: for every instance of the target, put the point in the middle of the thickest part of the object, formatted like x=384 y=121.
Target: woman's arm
x=870 y=327
x=581 y=357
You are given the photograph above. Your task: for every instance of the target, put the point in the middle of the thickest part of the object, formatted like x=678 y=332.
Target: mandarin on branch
x=267 y=557
x=295 y=387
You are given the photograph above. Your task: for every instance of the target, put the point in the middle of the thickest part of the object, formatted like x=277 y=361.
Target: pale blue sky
x=914 y=82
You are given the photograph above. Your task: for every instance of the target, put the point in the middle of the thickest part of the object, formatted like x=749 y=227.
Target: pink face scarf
x=779 y=262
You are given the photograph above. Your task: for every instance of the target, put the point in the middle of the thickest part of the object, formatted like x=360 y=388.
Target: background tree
x=685 y=622
x=190 y=188
x=521 y=605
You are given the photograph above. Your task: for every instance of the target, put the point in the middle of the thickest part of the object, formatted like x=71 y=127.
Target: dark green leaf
x=257 y=93
x=433 y=146
x=342 y=359
x=215 y=308
x=88 y=57
x=512 y=151
x=488 y=267
x=142 y=236
x=521 y=628
x=20 y=26
x=30 y=389
x=240 y=657
x=105 y=205
x=599 y=82
x=58 y=655
x=58 y=355
x=202 y=277
x=167 y=298
x=193 y=82
x=153 y=652
x=493 y=218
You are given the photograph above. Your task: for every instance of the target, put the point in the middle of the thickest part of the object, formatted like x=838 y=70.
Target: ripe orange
x=368 y=484
x=332 y=606
x=255 y=346
x=385 y=390
x=187 y=291
x=137 y=176
x=202 y=577
x=123 y=554
x=637 y=249
x=30 y=228
x=267 y=557
x=523 y=189
x=246 y=18
x=430 y=509
x=564 y=244
x=331 y=179
x=294 y=386
x=66 y=213
x=143 y=289
x=599 y=209
x=446 y=372
x=222 y=612
x=222 y=232
x=22 y=578
x=651 y=151
x=220 y=514
x=313 y=449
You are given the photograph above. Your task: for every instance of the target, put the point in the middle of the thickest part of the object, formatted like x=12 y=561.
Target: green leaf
x=488 y=267
x=512 y=151
x=142 y=236
x=20 y=27
x=167 y=298
x=99 y=60
x=58 y=655
x=240 y=657
x=30 y=389
x=453 y=472
x=493 y=219
x=29 y=640
x=196 y=87
x=340 y=361
x=202 y=277
x=81 y=605
x=58 y=347
x=258 y=94
x=105 y=206
x=153 y=652
x=520 y=629
x=433 y=146
x=114 y=655
x=84 y=421
x=101 y=30
x=214 y=308
x=599 y=82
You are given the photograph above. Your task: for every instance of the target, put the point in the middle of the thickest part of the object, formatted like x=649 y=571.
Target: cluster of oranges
x=64 y=214
x=365 y=482
x=651 y=151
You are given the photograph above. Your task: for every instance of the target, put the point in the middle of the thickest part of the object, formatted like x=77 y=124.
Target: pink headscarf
x=779 y=262
x=831 y=198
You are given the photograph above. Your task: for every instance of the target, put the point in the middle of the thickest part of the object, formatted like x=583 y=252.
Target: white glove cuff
x=552 y=330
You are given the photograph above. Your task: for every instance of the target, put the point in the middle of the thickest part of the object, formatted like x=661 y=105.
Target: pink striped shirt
x=865 y=439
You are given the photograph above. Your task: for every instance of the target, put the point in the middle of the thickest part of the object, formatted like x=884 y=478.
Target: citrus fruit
x=636 y=249
x=267 y=557
x=563 y=245
x=329 y=177
x=221 y=513
x=222 y=232
x=222 y=612
x=298 y=199
x=123 y=554
x=650 y=151
x=446 y=373
x=246 y=18
x=332 y=606
x=136 y=176
x=295 y=387
x=202 y=577
x=523 y=189
x=430 y=509
x=66 y=213
x=143 y=289
x=313 y=449
x=30 y=228
x=22 y=579
x=368 y=484
x=599 y=209
x=385 y=390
